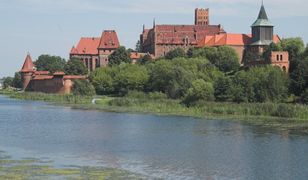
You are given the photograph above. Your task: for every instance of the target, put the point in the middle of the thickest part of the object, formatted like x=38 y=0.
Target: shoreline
x=164 y=108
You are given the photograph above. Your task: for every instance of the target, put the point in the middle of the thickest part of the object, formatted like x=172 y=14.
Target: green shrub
x=83 y=88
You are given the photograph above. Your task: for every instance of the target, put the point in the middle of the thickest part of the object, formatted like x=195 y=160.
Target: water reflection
x=161 y=147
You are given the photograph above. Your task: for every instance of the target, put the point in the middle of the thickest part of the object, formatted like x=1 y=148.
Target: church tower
x=262 y=30
x=202 y=17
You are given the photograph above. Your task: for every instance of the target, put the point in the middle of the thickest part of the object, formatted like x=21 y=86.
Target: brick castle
x=159 y=40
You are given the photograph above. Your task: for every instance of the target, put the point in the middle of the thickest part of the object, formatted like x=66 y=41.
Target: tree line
x=201 y=74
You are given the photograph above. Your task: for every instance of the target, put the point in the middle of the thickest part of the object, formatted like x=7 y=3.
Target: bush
x=200 y=91
x=83 y=88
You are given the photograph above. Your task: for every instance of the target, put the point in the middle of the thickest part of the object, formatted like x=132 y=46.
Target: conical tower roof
x=262 y=19
x=28 y=65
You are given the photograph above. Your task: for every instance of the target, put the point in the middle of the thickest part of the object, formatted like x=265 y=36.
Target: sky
x=54 y=26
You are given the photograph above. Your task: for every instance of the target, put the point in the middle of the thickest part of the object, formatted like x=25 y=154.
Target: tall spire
x=262 y=13
x=262 y=19
x=154 y=23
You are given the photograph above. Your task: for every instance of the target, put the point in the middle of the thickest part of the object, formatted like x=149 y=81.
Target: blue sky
x=54 y=26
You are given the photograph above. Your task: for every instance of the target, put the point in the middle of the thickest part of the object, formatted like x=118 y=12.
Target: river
x=168 y=147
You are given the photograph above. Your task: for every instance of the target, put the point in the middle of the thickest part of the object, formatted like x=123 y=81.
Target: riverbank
x=291 y=117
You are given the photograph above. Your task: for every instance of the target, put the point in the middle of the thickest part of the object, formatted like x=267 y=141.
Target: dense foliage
x=224 y=58
x=176 y=53
x=75 y=67
x=15 y=82
x=118 y=80
x=203 y=74
x=50 y=63
x=120 y=55
x=83 y=88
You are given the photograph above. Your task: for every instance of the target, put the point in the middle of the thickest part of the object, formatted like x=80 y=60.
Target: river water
x=166 y=147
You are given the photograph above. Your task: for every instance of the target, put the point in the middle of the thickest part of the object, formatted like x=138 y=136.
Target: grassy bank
x=284 y=116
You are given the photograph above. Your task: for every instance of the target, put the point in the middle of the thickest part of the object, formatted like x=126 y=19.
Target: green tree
x=304 y=97
x=260 y=84
x=226 y=59
x=145 y=59
x=7 y=82
x=295 y=46
x=176 y=53
x=242 y=87
x=17 y=81
x=130 y=77
x=299 y=78
x=102 y=80
x=138 y=46
x=83 y=88
x=75 y=67
x=120 y=55
x=50 y=63
x=223 y=89
x=199 y=91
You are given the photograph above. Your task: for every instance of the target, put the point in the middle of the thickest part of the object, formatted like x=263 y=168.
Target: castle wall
x=55 y=86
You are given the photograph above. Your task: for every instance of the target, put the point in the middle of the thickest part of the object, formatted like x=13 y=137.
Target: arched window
x=277 y=57
x=281 y=57
x=284 y=69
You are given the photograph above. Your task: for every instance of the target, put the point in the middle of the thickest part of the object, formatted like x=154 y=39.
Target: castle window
x=281 y=57
x=277 y=57
x=97 y=63
x=91 y=64
x=87 y=62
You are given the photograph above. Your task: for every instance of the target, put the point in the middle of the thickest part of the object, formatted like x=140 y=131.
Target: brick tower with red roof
x=27 y=71
x=94 y=51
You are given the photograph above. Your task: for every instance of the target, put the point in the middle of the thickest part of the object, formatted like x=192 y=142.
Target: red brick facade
x=94 y=51
x=202 y=17
x=161 y=39
x=43 y=81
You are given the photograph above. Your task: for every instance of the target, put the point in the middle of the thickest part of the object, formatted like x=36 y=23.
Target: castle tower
x=262 y=31
x=27 y=71
x=202 y=17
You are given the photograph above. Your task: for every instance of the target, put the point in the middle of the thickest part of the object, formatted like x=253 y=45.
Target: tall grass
x=160 y=104
x=57 y=98
x=146 y=103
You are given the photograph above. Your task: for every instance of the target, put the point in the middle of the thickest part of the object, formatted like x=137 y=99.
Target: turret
x=27 y=71
x=262 y=29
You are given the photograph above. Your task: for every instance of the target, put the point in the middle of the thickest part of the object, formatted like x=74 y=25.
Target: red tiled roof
x=86 y=46
x=74 y=77
x=179 y=34
x=28 y=65
x=136 y=55
x=41 y=72
x=59 y=73
x=230 y=39
x=42 y=77
x=109 y=40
